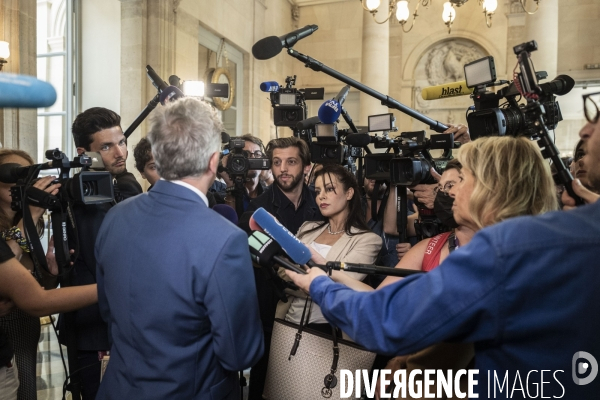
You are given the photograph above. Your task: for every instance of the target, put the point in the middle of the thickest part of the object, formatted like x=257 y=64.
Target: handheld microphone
x=12 y=172
x=369 y=269
x=265 y=252
x=171 y=93
x=270 y=46
x=341 y=96
x=446 y=90
x=22 y=91
x=269 y=86
x=294 y=248
x=330 y=111
x=227 y=212
x=308 y=123
x=155 y=79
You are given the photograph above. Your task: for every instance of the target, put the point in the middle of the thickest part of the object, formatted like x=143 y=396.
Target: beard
x=594 y=179
x=114 y=170
x=289 y=186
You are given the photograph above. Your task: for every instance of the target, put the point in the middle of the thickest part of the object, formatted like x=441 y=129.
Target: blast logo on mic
x=447 y=92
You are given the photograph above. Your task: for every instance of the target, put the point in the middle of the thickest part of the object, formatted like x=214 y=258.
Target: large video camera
x=239 y=162
x=289 y=106
x=513 y=119
x=411 y=161
x=87 y=187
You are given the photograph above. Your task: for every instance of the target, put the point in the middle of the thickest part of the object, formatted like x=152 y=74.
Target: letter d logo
x=583 y=367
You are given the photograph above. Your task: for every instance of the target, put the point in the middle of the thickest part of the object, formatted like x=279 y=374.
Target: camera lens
x=89 y=188
x=238 y=164
x=291 y=115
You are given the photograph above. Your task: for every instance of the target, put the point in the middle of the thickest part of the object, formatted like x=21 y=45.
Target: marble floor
x=50 y=370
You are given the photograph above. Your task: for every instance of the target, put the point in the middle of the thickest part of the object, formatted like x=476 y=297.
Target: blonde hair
x=511 y=179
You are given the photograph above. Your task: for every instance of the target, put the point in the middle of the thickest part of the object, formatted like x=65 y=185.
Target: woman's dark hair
x=453 y=164
x=5 y=221
x=356 y=218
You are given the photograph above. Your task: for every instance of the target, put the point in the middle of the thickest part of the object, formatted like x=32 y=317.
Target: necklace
x=333 y=233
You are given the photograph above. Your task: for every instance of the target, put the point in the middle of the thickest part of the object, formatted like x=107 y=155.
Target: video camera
x=289 y=106
x=87 y=187
x=514 y=119
x=240 y=162
x=411 y=160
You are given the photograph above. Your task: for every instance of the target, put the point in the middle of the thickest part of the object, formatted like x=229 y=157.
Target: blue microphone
x=330 y=111
x=22 y=91
x=294 y=248
x=269 y=86
x=171 y=93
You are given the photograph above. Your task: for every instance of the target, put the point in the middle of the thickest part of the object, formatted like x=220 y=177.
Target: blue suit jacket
x=524 y=291
x=175 y=285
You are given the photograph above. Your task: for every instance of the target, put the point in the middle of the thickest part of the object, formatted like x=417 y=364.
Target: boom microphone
x=294 y=248
x=359 y=139
x=446 y=90
x=155 y=79
x=171 y=93
x=341 y=96
x=270 y=46
x=269 y=86
x=330 y=111
x=308 y=123
x=22 y=91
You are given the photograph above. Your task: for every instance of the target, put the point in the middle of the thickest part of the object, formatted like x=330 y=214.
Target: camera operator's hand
x=461 y=133
x=425 y=194
x=224 y=175
x=47 y=186
x=304 y=281
x=402 y=249
x=6 y=306
x=580 y=190
x=51 y=257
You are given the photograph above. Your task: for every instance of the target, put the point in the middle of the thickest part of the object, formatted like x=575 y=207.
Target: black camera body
x=239 y=163
x=411 y=162
x=514 y=119
x=289 y=106
x=86 y=187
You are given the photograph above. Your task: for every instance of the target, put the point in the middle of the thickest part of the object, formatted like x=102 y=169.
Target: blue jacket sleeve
x=232 y=306
x=458 y=301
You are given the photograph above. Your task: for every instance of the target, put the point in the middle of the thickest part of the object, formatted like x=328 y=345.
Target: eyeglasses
x=590 y=107
x=444 y=189
x=256 y=154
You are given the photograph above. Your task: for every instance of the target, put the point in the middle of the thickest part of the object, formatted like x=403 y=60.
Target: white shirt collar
x=192 y=188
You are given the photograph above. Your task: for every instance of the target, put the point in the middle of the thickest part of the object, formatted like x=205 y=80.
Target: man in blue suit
x=175 y=280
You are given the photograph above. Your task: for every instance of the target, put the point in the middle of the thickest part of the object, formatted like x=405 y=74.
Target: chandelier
x=402 y=12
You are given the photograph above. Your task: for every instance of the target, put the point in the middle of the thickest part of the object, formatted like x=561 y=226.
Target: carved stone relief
x=444 y=63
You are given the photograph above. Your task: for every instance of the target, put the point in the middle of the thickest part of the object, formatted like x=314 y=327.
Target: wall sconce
x=4 y=53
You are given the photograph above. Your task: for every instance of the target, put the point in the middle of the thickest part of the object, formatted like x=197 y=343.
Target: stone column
x=18 y=126
x=375 y=61
x=543 y=28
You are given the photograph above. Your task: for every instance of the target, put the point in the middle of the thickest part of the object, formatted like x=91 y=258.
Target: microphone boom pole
x=318 y=66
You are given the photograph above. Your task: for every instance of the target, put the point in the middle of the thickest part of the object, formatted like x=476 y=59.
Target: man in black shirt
x=85 y=333
x=291 y=201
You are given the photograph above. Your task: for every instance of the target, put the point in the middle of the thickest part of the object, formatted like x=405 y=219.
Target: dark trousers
x=90 y=373
x=258 y=373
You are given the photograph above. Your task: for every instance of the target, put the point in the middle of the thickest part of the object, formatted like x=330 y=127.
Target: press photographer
x=243 y=183
x=84 y=332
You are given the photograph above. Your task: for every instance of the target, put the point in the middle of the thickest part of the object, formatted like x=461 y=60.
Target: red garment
x=434 y=248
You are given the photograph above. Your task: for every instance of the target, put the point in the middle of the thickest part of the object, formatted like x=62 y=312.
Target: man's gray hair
x=184 y=134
